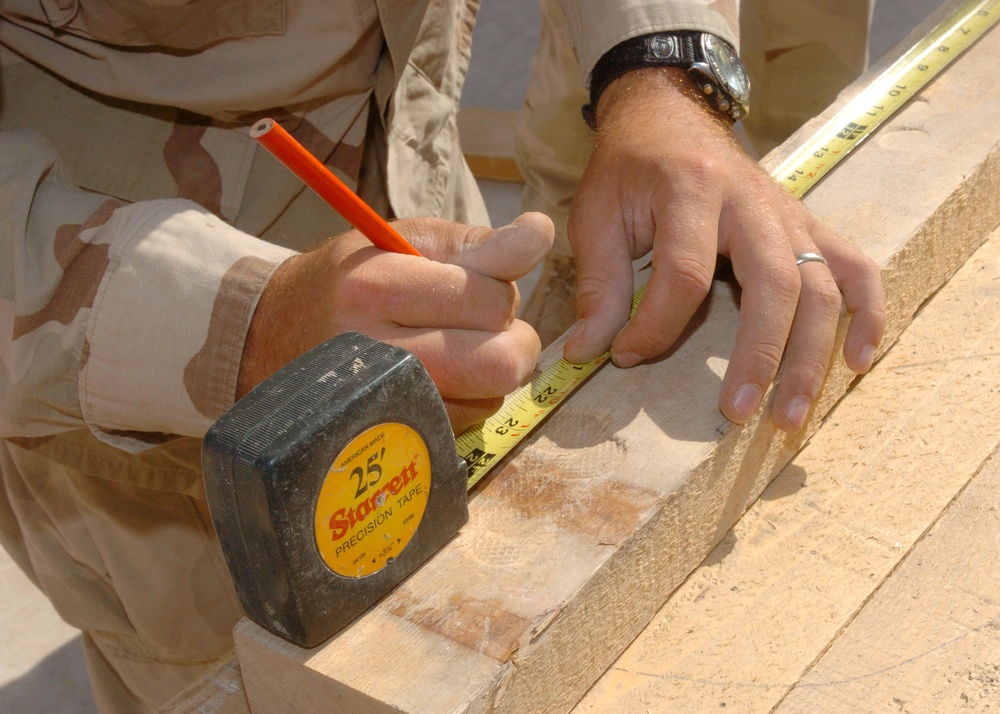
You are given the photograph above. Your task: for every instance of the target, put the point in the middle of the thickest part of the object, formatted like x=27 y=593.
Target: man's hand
x=668 y=176
x=455 y=311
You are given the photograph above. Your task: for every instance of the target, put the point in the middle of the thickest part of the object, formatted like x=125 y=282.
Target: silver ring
x=809 y=258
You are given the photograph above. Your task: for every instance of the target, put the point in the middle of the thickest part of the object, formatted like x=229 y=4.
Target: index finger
x=604 y=285
x=684 y=255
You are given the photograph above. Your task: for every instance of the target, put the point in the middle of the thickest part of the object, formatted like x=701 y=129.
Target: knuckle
x=691 y=278
x=591 y=288
x=699 y=174
x=758 y=183
x=879 y=316
x=871 y=268
x=505 y=367
x=782 y=280
x=861 y=266
x=807 y=374
x=420 y=231
x=871 y=273
x=704 y=169
x=827 y=296
x=766 y=355
x=491 y=311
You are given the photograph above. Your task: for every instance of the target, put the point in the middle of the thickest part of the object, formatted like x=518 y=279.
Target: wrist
x=263 y=351
x=665 y=95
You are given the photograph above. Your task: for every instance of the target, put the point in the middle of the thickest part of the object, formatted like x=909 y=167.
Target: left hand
x=667 y=175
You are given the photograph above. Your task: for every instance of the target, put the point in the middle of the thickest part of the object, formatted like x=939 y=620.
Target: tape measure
x=885 y=95
x=485 y=445
x=319 y=482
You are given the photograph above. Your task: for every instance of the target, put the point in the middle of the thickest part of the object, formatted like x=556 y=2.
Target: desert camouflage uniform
x=799 y=55
x=138 y=227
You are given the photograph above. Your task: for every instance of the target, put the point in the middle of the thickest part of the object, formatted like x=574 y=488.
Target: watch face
x=726 y=66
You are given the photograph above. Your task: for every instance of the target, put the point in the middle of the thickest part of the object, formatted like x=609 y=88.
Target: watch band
x=661 y=49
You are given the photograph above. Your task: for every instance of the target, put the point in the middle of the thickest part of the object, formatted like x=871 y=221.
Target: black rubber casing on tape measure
x=265 y=461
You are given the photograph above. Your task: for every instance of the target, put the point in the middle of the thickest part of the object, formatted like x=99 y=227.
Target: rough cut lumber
x=845 y=550
x=930 y=639
x=578 y=540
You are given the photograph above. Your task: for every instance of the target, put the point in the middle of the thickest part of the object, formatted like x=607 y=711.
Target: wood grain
x=825 y=559
x=929 y=640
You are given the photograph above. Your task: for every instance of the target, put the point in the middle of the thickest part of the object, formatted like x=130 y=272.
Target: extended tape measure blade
x=486 y=444
x=885 y=95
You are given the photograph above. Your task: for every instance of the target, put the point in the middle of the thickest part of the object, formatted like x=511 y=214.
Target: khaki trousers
x=124 y=548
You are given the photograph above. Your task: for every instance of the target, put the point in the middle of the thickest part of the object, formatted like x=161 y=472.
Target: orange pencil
x=330 y=188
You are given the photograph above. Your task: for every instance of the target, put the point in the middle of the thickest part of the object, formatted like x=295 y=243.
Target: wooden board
x=846 y=546
x=929 y=641
x=575 y=543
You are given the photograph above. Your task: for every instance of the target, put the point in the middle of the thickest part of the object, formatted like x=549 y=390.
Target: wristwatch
x=711 y=62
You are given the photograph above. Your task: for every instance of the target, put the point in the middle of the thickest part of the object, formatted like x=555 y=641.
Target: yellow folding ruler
x=485 y=444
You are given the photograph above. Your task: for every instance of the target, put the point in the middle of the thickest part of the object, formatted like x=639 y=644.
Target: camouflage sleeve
x=127 y=319
x=596 y=29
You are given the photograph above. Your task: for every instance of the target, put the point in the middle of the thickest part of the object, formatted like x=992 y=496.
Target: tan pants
x=136 y=568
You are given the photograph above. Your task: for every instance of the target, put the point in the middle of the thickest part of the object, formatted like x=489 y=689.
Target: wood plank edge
x=538 y=666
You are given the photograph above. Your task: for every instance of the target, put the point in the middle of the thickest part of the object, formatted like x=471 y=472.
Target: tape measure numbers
x=485 y=445
x=885 y=95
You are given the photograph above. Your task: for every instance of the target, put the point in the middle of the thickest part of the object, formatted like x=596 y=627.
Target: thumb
x=505 y=253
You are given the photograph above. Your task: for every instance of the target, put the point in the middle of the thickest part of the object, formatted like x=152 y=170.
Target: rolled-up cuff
x=166 y=333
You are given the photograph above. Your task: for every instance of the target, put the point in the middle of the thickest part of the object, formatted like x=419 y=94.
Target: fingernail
x=626 y=359
x=575 y=330
x=797 y=411
x=866 y=357
x=746 y=400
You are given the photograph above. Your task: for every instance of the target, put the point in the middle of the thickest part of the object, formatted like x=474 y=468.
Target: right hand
x=455 y=311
